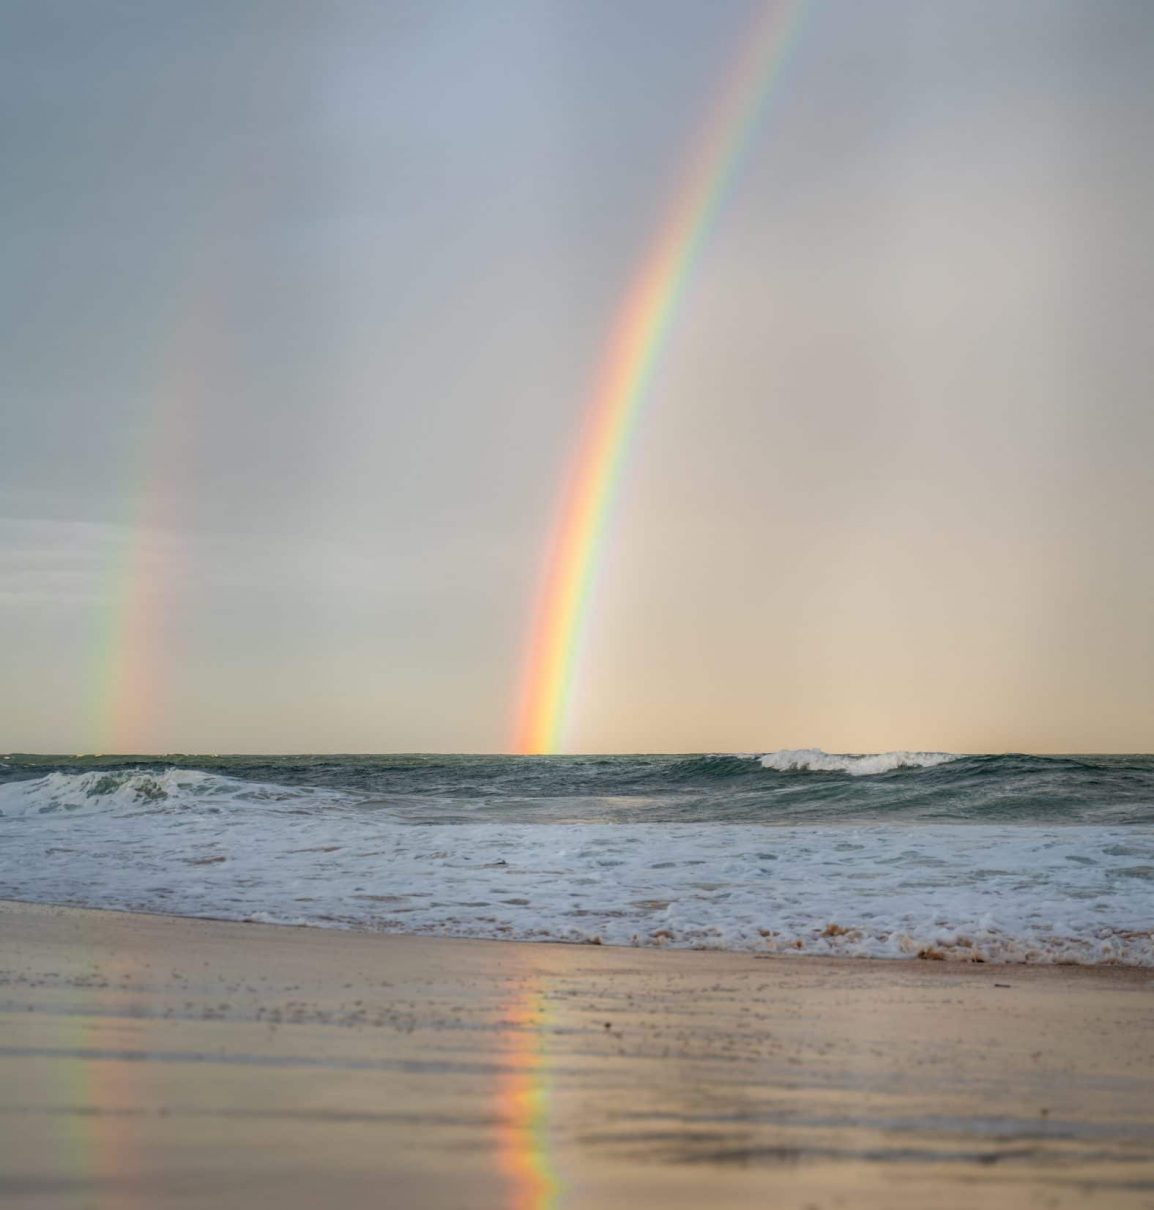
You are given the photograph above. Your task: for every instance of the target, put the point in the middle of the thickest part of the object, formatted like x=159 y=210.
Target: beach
x=153 y=1061
x=575 y=606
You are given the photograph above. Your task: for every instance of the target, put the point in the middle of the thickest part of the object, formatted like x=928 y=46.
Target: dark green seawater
x=689 y=788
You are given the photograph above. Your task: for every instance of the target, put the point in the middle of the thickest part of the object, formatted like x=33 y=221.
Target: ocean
x=896 y=855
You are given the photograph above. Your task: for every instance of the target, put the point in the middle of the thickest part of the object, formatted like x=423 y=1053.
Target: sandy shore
x=156 y=1062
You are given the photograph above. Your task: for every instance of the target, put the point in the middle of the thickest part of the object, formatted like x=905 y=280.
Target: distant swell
x=814 y=760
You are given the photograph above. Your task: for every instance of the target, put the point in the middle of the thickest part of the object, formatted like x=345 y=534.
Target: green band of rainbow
x=635 y=343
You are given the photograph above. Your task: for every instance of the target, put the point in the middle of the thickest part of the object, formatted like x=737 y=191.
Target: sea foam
x=196 y=843
x=814 y=760
x=129 y=791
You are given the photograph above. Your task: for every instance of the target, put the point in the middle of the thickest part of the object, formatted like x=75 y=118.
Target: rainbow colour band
x=127 y=650
x=138 y=581
x=181 y=364
x=142 y=585
x=634 y=347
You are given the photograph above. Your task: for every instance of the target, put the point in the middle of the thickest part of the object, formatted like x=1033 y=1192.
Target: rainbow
x=134 y=627
x=621 y=388
x=131 y=642
x=180 y=365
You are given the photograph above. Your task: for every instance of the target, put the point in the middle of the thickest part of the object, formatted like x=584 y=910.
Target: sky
x=302 y=306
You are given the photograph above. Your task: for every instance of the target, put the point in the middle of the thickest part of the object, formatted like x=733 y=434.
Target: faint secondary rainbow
x=146 y=574
x=131 y=688
x=621 y=387
x=140 y=580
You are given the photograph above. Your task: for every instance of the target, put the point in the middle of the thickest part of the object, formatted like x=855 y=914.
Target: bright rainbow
x=622 y=386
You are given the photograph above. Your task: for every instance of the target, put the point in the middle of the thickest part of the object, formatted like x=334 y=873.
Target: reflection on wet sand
x=98 y=1102
x=523 y=1103
x=156 y=1064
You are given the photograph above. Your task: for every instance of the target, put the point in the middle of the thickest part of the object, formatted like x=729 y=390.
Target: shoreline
x=158 y=1061
x=932 y=958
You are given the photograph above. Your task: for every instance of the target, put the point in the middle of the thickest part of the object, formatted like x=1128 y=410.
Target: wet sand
x=156 y=1062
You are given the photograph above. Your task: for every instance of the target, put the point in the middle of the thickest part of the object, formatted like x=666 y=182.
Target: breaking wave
x=138 y=791
x=814 y=760
x=724 y=873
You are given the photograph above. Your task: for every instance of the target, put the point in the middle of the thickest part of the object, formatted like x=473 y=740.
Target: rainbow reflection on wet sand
x=523 y=1100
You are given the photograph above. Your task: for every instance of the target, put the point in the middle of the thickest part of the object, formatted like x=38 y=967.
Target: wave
x=814 y=760
x=194 y=843
x=781 y=787
x=135 y=791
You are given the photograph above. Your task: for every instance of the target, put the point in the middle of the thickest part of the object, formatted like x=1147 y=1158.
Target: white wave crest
x=814 y=760
x=128 y=791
